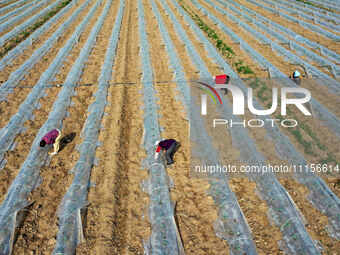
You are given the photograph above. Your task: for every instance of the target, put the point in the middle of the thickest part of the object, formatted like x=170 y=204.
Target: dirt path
x=116 y=219
x=38 y=231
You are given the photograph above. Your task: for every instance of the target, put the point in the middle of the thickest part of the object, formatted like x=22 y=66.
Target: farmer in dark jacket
x=52 y=137
x=170 y=146
x=296 y=77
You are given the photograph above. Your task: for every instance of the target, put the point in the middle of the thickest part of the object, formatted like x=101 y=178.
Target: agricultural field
x=115 y=76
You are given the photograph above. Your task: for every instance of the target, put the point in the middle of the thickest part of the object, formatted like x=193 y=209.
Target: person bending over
x=296 y=77
x=170 y=146
x=52 y=137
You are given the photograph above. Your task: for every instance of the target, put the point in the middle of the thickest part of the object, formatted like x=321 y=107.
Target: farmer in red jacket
x=170 y=146
x=222 y=79
x=52 y=137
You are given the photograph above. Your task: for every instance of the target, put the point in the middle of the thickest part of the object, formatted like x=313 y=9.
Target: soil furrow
x=315 y=228
x=116 y=219
x=312 y=131
x=332 y=45
x=39 y=232
x=253 y=207
x=9 y=108
x=26 y=18
x=24 y=141
x=195 y=210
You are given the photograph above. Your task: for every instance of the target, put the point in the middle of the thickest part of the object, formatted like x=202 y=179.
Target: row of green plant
x=24 y=34
x=264 y=94
x=222 y=47
x=315 y=5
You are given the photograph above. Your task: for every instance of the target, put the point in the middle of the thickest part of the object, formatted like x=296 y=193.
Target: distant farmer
x=170 y=146
x=222 y=79
x=52 y=137
x=296 y=77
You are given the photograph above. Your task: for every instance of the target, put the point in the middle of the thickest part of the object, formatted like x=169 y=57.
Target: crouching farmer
x=52 y=137
x=222 y=79
x=170 y=146
x=296 y=77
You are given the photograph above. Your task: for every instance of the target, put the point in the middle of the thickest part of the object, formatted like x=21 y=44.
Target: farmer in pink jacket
x=52 y=137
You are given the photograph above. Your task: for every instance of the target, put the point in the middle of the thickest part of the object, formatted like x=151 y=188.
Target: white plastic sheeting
x=335 y=70
x=19 y=28
x=17 y=75
x=292 y=11
x=321 y=112
x=302 y=23
x=25 y=111
x=19 y=49
x=163 y=239
x=28 y=178
x=70 y=225
x=231 y=224
x=314 y=12
x=16 y=10
x=320 y=194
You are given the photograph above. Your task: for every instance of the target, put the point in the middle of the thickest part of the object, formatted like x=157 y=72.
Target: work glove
x=156 y=155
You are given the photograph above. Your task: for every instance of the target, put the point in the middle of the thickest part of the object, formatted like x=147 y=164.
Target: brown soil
x=38 y=232
x=195 y=210
x=10 y=10
x=265 y=147
x=294 y=27
x=31 y=78
x=26 y=18
x=16 y=158
x=323 y=134
x=116 y=222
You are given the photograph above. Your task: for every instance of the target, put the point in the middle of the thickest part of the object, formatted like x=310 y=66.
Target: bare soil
x=116 y=218
x=56 y=177
x=31 y=78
